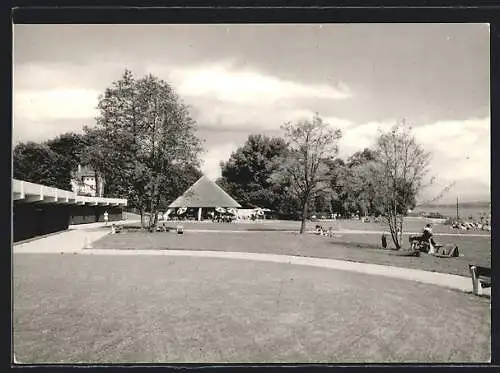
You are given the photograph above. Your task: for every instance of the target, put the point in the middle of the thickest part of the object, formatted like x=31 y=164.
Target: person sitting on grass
x=426 y=238
x=447 y=251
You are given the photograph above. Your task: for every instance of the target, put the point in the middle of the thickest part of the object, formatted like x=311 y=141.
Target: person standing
x=106 y=217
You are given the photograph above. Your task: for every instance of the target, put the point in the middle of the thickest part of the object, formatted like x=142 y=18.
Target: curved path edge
x=450 y=281
x=73 y=242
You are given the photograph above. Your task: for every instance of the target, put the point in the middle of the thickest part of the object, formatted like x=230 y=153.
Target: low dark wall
x=36 y=219
x=82 y=214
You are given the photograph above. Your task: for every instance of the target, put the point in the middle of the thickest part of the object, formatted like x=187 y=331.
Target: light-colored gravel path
x=65 y=242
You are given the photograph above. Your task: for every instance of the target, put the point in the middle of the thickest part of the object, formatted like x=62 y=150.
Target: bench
x=480 y=276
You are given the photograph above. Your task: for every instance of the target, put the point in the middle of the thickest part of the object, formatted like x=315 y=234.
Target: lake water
x=451 y=211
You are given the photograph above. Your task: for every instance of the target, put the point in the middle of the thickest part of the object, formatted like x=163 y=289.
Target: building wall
x=85 y=186
x=92 y=214
x=36 y=219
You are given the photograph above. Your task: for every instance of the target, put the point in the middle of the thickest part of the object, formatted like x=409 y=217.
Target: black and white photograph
x=251 y=193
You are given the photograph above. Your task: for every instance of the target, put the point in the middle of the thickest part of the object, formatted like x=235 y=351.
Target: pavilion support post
x=199 y=214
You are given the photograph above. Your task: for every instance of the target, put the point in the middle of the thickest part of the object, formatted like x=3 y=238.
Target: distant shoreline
x=466 y=210
x=460 y=204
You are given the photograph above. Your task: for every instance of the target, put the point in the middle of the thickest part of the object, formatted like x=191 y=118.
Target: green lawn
x=411 y=225
x=112 y=309
x=354 y=247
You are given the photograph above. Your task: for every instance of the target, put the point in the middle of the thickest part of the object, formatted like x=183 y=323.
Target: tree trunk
x=393 y=229
x=141 y=211
x=97 y=189
x=154 y=205
x=151 y=212
x=401 y=230
x=304 y=216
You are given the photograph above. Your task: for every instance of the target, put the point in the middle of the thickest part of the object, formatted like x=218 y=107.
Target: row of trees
x=50 y=162
x=301 y=173
x=145 y=144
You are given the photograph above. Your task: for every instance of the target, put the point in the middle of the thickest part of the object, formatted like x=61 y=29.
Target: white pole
x=199 y=214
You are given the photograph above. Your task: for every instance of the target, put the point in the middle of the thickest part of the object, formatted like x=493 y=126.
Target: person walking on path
x=106 y=218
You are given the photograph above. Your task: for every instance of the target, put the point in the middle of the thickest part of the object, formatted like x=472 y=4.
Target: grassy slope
x=355 y=247
x=71 y=308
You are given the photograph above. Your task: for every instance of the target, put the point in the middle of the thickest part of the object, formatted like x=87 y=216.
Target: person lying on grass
x=325 y=232
x=447 y=251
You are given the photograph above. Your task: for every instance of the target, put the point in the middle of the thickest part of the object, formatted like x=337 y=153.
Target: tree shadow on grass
x=359 y=245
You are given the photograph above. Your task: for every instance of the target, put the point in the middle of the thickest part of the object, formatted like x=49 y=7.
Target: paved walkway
x=99 y=224
x=79 y=241
x=70 y=241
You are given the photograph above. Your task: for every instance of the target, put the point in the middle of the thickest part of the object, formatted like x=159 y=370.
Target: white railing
x=23 y=188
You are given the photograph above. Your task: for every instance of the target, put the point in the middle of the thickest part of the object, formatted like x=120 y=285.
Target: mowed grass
x=353 y=247
x=156 y=309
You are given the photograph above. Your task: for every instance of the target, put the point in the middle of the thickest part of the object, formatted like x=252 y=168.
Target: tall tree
x=311 y=144
x=246 y=175
x=70 y=146
x=37 y=163
x=144 y=131
x=181 y=178
x=357 y=182
x=361 y=157
x=402 y=166
x=336 y=178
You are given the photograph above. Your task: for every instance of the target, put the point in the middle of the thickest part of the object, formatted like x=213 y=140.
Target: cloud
x=53 y=98
x=460 y=153
x=239 y=117
x=52 y=106
x=46 y=129
x=221 y=93
x=55 y=104
x=213 y=156
x=461 y=149
x=358 y=137
x=52 y=75
x=244 y=86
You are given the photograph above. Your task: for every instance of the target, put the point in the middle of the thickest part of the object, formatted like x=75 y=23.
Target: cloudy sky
x=243 y=79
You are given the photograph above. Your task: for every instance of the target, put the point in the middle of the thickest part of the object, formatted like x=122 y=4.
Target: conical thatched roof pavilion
x=204 y=194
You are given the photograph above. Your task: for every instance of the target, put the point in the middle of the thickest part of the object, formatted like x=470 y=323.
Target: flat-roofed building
x=40 y=209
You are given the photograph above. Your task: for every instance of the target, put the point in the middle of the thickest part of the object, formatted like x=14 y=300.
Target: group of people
x=223 y=218
x=485 y=226
x=425 y=243
x=325 y=232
